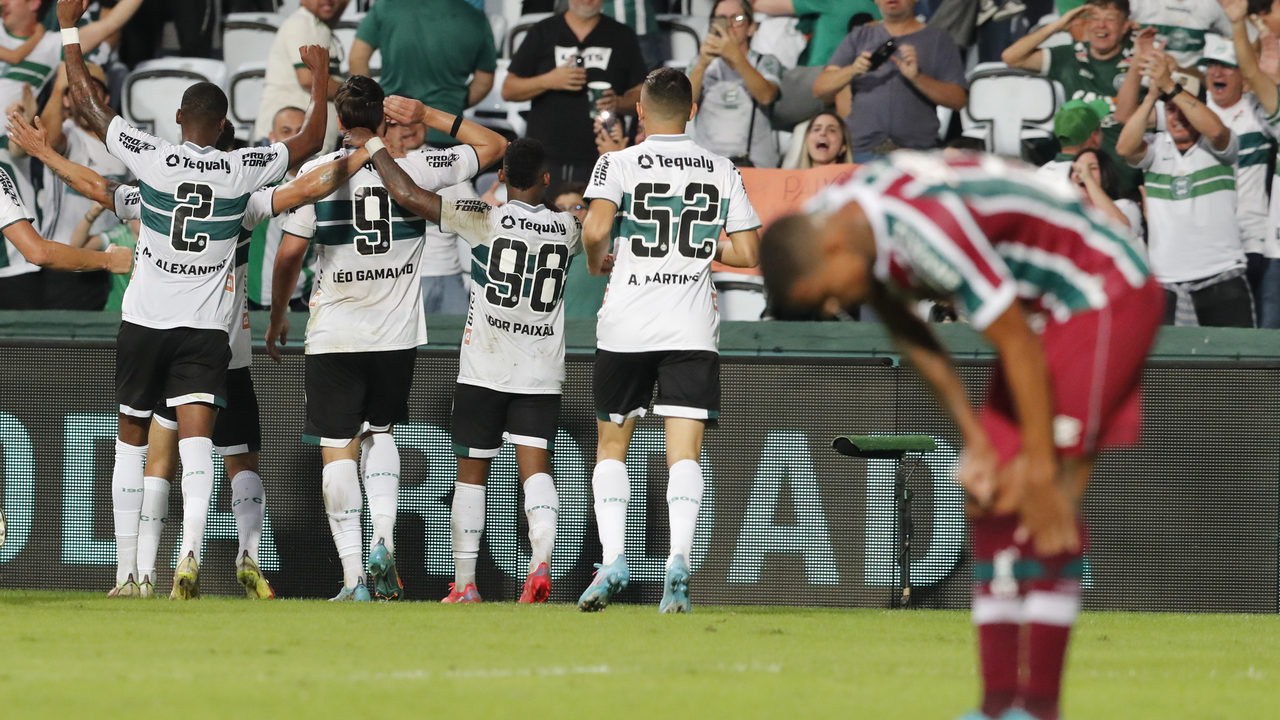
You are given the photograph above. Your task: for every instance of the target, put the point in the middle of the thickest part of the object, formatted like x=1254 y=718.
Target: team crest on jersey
x=135 y=145
x=1181 y=188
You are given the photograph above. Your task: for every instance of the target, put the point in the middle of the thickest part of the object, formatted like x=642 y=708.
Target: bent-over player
x=1005 y=247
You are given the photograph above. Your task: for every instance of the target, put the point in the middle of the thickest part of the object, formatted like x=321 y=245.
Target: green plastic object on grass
x=882 y=446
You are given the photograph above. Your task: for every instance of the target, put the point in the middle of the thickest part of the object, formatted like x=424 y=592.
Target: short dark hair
x=788 y=251
x=227 y=139
x=359 y=103
x=1110 y=176
x=668 y=93
x=204 y=102
x=1260 y=7
x=524 y=163
x=1121 y=5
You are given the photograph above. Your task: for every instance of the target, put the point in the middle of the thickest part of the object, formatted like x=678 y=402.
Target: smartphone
x=609 y=121
x=579 y=61
x=722 y=23
x=881 y=54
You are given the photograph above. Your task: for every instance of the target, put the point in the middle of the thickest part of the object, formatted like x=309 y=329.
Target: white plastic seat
x=496 y=113
x=153 y=92
x=740 y=296
x=516 y=34
x=686 y=33
x=247 y=38
x=244 y=91
x=1005 y=105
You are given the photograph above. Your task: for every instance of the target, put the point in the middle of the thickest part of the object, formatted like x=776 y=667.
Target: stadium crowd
x=779 y=83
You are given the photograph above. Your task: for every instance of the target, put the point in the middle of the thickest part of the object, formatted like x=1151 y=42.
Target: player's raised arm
x=57 y=256
x=489 y=145
x=418 y=200
x=309 y=139
x=317 y=183
x=96 y=114
x=78 y=177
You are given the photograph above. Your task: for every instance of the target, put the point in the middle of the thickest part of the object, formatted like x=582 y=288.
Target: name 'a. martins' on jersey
x=368 y=248
x=192 y=204
x=520 y=255
x=674 y=199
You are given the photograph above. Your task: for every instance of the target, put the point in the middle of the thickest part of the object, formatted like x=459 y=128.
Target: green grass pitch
x=82 y=656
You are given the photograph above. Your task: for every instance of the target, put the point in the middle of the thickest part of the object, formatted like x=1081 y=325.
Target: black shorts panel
x=237 y=429
x=174 y=366
x=482 y=417
x=348 y=393
x=688 y=384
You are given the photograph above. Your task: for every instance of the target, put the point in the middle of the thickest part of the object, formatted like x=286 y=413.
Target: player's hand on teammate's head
x=31 y=139
x=119 y=260
x=357 y=137
x=70 y=11
x=403 y=110
x=316 y=58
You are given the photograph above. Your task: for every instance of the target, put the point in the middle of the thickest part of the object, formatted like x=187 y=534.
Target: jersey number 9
x=195 y=202
x=372 y=216
x=697 y=228
x=508 y=260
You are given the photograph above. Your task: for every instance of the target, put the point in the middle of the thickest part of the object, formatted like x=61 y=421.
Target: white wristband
x=374 y=145
x=70 y=36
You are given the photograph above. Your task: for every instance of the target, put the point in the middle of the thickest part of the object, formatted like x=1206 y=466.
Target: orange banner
x=774 y=193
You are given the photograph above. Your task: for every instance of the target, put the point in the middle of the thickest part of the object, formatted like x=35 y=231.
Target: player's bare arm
x=597 y=231
x=489 y=145
x=57 y=256
x=742 y=250
x=420 y=201
x=97 y=115
x=111 y=22
x=78 y=177
x=1130 y=144
x=1030 y=484
x=1205 y=121
x=284 y=279
x=923 y=350
x=308 y=140
x=1026 y=53
x=318 y=183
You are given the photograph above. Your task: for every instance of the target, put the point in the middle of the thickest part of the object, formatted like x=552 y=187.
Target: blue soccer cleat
x=610 y=580
x=382 y=566
x=675 y=592
x=359 y=593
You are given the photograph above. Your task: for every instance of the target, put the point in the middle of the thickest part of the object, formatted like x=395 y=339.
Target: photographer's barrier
x=1187 y=521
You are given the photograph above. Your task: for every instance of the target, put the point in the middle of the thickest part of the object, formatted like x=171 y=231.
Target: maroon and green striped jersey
x=982 y=232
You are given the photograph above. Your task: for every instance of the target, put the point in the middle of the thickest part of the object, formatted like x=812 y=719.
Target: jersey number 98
x=195 y=202
x=372 y=216
x=697 y=229
x=506 y=279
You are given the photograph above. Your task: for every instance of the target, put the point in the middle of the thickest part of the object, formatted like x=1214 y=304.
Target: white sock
x=541 y=508
x=613 y=493
x=342 y=501
x=248 y=505
x=197 y=487
x=381 y=470
x=467 y=523
x=126 y=506
x=155 y=510
x=684 y=497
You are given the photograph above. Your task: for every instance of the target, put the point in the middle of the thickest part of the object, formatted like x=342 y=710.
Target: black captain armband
x=457 y=125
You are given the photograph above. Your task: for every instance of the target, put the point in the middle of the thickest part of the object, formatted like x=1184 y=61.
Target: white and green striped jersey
x=639 y=15
x=128 y=206
x=674 y=198
x=1183 y=25
x=367 y=295
x=64 y=207
x=1248 y=120
x=34 y=70
x=15 y=191
x=1193 y=232
x=514 y=339
x=1271 y=248
x=193 y=202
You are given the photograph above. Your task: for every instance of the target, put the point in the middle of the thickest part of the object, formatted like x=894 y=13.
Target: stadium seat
x=1007 y=105
x=244 y=91
x=494 y=112
x=686 y=33
x=516 y=35
x=498 y=26
x=153 y=91
x=740 y=296
x=247 y=38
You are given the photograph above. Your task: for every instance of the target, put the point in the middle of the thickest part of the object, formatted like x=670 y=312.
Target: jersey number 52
x=696 y=229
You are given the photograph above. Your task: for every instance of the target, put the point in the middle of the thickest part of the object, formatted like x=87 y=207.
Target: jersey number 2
x=195 y=202
x=506 y=280
x=372 y=216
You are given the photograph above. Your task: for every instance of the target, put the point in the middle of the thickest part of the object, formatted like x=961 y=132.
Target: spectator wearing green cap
x=1246 y=117
x=1078 y=127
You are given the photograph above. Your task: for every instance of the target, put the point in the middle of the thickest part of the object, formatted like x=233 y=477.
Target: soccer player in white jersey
x=666 y=201
x=173 y=341
x=236 y=434
x=511 y=365
x=366 y=323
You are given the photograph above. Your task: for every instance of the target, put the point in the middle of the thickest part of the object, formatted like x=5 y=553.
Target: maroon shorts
x=1095 y=368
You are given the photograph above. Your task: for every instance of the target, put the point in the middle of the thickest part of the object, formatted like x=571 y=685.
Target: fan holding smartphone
x=734 y=87
x=888 y=79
